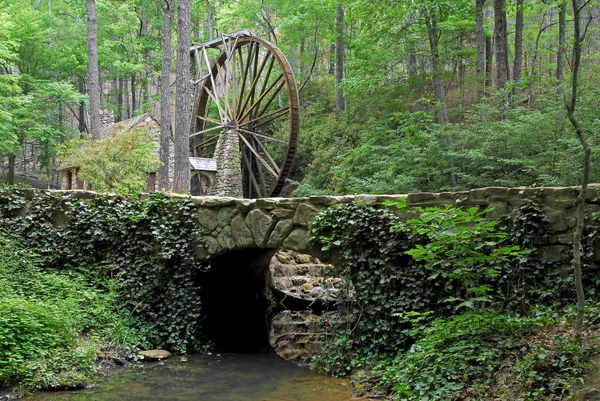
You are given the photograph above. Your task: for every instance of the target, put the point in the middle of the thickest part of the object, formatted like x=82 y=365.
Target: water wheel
x=245 y=85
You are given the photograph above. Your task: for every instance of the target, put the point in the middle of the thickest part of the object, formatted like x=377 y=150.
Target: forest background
x=395 y=96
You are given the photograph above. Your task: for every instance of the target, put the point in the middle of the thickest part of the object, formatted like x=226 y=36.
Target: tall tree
x=518 y=50
x=165 y=97
x=211 y=21
x=501 y=42
x=181 y=173
x=578 y=37
x=562 y=43
x=93 y=80
x=489 y=55
x=340 y=101
x=438 y=85
x=480 y=39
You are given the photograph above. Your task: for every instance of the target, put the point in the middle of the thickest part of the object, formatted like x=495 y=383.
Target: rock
x=416 y=198
x=210 y=244
x=552 y=253
x=280 y=233
x=303 y=258
x=590 y=394
x=261 y=225
x=225 y=239
x=305 y=214
x=154 y=355
x=558 y=219
x=366 y=200
x=241 y=233
x=285 y=256
x=245 y=205
x=281 y=213
x=297 y=240
x=292 y=336
x=207 y=218
x=225 y=215
x=200 y=252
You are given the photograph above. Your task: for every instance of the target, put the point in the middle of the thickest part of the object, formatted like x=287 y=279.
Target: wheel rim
x=250 y=88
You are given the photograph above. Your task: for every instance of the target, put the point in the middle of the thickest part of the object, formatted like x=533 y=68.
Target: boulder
x=154 y=355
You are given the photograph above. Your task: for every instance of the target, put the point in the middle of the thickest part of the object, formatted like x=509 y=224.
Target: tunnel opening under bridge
x=235 y=300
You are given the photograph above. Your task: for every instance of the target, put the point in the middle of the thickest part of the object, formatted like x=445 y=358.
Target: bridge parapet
x=229 y=224
x=273 y=223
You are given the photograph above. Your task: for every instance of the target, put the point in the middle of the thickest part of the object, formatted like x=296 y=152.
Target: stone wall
x=229 y=223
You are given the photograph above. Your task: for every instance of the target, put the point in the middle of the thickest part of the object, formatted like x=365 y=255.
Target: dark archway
x=235 y=300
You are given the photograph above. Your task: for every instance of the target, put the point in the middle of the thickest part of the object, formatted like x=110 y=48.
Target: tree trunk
x=500 y=38
x=570 y=106
x=562 y=44
x=411 y=46
x=518 y=50
x=460 y=77
x=81 y=120
x=93 y=80
x=331 y=70
x=340 y=102
x=133 y=95
x=489 y=56
x=438 y=85
x=292 y=59
x=301 y=67
x=480 y=39
x=181 y=183
x=10 y=176
x=211 y=22
x=165 y=98
x=126 y=96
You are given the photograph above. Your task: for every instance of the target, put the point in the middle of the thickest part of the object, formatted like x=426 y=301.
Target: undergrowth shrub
x=447 y=259
x=145 y=246
x=108 y=275
x=442 y=296
x=451 y=354
x=52 y=324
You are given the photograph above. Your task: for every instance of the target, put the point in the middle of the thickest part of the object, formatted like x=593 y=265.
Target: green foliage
x=461 y=355
x=408 y=270
x=450 y=355
x=119 y=163
x=549 y=367
x=147 y=247
x=371 y=255
x=463 y=246
x=420 y=260
x=53 y=324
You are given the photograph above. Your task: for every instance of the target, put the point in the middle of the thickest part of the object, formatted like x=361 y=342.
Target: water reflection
x=231 y=377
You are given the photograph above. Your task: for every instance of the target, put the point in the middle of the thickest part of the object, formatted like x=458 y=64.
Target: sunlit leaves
x=119 y=163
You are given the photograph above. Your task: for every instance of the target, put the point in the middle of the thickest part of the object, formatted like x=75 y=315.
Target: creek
x=228 y=377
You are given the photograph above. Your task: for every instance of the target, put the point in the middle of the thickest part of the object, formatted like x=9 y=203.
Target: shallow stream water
x=229 y=377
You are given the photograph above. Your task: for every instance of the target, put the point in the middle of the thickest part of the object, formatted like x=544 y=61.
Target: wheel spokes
x=247 y=90
x=258 y=156
x=261 y=135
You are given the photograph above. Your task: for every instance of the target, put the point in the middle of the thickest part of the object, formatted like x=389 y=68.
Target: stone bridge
x=232 y=224
x=245 y=301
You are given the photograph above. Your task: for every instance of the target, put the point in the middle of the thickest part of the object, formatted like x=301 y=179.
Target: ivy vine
x=443 y=260
x=147 y=245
